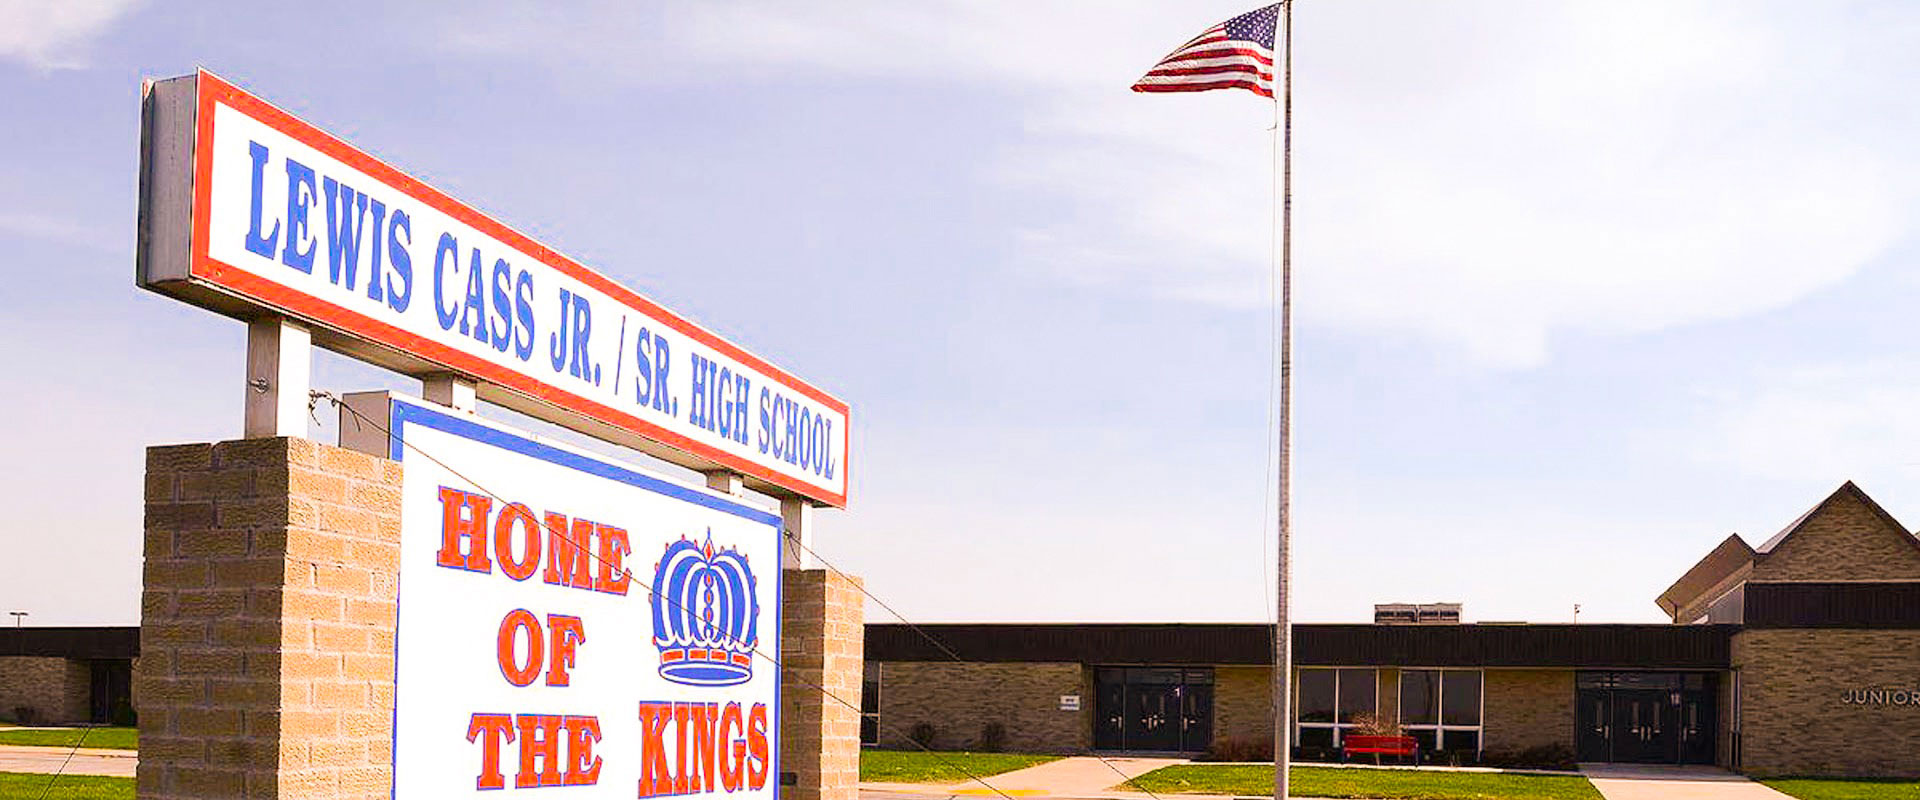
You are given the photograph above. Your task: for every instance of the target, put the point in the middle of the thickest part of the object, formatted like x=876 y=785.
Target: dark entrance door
x=1642 y=732
x=1593 y=718
x=1166 y=709
x=1645 y=717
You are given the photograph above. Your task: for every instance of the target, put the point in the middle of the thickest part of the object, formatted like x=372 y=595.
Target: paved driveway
x=87 y=761
x=1656 y=782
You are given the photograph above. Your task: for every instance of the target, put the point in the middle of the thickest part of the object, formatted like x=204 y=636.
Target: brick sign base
x=267 y=632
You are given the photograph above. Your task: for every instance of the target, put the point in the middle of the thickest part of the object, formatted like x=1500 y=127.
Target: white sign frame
x=251 y=212
x=435 y=763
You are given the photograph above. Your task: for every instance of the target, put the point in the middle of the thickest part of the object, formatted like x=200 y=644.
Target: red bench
x=1380 y=745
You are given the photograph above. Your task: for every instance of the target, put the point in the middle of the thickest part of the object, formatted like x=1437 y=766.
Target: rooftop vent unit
x=1416 y=614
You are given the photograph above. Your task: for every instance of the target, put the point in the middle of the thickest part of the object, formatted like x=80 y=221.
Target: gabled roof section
x=1734 y=554
x=1847 y=491
x=1726 y=559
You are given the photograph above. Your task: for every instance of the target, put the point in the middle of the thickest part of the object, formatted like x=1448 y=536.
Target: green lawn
x=1842 y=789
x=898 y=766
x=1387 y=784
x=66 y=787
x=107 y=738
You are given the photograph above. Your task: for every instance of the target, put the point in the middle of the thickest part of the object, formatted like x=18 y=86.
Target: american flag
x=1236 y=54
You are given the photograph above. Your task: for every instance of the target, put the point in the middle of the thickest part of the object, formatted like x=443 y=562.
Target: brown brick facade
x=821 y=646
x=56 y=690
x=960 y=699
x=1526 y=708
x=1846 y=539
x=1242 y=703
x=1792 y=717
x=267 y=622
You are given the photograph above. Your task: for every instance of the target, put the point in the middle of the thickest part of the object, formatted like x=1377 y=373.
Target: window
x=1441 y=708
x=1330 y=701
x=870 y=705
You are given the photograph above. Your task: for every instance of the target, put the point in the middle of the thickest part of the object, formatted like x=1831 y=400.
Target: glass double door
x=1645 y=718
x=1165 y=709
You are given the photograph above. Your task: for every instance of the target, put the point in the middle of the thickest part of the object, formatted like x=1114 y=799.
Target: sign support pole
x=279 y=374
x=451 y=390
x=796 y=522
x=1282 y=626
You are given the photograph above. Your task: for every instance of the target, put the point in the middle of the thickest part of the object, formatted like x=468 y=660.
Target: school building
x=1798 y=656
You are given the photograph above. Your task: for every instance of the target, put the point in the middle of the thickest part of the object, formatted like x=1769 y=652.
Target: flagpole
x=1282 y=626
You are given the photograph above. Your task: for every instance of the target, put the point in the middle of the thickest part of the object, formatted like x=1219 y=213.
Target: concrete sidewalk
x=85 y=761
x=1659 y=782
x=1075 y=777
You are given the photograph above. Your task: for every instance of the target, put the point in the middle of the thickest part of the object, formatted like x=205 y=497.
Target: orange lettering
x=612 y=578
x=517 y=569
x=510 y=667
x=539 y=742
x=493 y=726
x=471 y=525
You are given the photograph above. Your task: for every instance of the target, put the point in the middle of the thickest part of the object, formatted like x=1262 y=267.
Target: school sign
x=245 y=209
x=444 y=606
x=566 y=620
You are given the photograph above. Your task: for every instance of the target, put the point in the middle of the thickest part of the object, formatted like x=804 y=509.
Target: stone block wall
x=1242 y=703
x=1523 y=708
x=822 y=639
x=960 y=699
x=267 y=622
x=53 y=690
x=1794 y=718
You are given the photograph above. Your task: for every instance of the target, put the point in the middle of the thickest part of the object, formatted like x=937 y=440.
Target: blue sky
x=1581 y=288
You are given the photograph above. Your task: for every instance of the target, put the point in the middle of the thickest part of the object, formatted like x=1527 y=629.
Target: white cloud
x=1483 y=175
x=47 y=34
x=1819 y=426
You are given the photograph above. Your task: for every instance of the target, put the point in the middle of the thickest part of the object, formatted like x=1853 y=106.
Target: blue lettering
x=373 y=273
x=523 y=310
x=697 y=413
x=766 y=422
x=502 y=305
x=643 y=373
x=256 y=243
x=582 y=328
x=447 y=250
x=300 y=198
x=399 y=297
x=473 y=317
x=346 y=219
x=557 y=343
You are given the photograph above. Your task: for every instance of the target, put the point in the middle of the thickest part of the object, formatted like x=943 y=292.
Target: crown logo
x=706 y=619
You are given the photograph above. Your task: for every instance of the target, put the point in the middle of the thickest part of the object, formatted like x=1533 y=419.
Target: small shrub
x=1546 y=756
x=123 y=715
x=1241 y=749
x=1375 y=725
x=922 y=734
x=26 y=715
x=993 y=738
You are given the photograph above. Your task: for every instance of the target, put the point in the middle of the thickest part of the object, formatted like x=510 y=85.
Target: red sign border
x=204 y=268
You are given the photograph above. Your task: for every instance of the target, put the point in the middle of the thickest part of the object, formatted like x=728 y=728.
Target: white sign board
x=248 y=210
x=1069 y=702
x=566 y=620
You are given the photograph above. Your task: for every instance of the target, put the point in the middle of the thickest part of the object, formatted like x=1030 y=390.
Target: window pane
x=1356 y=693
x=1417 y=695
x=1316 y=737
x=1199 y=676
x=1316 y=696
x=1460 y=698
x=1463 y=741
x=1426 y=737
